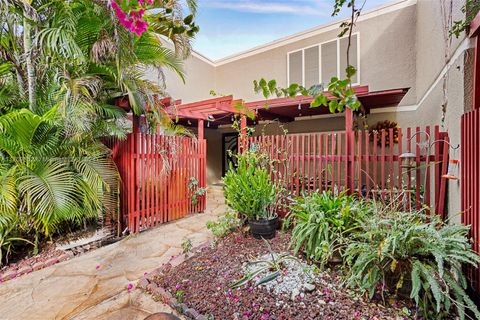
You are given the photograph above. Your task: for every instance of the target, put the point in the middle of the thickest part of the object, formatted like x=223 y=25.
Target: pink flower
x=247 y=314
x=357 y=315
x=178 y=286
x=98 y=266
x=265 y=316
x=130 y=287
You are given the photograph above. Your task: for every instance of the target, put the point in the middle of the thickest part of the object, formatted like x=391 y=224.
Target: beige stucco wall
x=199 y=80
x=379 y=42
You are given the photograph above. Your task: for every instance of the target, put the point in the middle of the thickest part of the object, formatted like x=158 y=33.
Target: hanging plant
x=385 y=125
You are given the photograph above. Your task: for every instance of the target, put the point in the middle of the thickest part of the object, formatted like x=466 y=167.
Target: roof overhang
x=220 y=111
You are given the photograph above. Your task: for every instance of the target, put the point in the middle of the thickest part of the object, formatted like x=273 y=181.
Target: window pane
x=295 y=67
x=329 y=61
x=353 y=54
x=311 y=67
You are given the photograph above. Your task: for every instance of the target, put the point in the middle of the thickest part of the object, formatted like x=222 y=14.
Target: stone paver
x=75 y=289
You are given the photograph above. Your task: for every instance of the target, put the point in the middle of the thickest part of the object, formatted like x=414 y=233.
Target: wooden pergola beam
x=268 y=115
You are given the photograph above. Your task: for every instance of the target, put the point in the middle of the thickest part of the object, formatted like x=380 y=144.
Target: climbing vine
x=341 y=89
x=132 y=15
x=470 y=9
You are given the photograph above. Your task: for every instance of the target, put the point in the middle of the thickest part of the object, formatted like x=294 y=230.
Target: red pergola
x=219 y=111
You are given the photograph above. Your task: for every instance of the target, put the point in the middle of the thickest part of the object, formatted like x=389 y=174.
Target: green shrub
x=248 y=188
x=416 y=254
x=224 y=225
x=323 y=223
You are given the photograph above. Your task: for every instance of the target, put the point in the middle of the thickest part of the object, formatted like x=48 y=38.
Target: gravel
x=300 y=292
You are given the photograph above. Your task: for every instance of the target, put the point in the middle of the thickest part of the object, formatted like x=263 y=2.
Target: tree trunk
x=27 y=45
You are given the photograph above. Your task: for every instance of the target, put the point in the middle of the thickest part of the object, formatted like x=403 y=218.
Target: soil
x=201 y=283
x=22 y=261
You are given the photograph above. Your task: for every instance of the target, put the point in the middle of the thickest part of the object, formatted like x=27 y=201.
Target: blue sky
x=231 y=26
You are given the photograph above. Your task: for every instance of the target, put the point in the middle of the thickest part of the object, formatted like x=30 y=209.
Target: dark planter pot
x=263 y=228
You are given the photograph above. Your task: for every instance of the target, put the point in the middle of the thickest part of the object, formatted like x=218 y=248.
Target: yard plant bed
x=202 y=283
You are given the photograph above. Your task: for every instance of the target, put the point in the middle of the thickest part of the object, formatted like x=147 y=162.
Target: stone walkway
x=75 y=289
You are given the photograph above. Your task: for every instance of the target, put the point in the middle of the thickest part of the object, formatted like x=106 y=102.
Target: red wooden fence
x=363 y=162
x=156 y=173
x=470 y=183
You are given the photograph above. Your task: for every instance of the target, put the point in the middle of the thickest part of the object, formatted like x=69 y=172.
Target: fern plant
x=417 y=254
x=248 y=187
x=323 y=223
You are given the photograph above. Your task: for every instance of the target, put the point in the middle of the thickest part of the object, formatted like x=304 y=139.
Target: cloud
x=290 y=7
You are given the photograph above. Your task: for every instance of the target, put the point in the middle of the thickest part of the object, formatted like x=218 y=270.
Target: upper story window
x=319 y=63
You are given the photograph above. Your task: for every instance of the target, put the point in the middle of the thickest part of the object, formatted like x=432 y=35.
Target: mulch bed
x=200 y=284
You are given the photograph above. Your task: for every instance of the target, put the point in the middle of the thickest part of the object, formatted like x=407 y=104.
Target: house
x=410 y=71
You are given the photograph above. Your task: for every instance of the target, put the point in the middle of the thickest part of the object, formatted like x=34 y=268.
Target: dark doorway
x=229 y=143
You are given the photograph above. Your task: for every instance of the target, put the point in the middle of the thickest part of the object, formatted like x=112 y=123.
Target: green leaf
x=351 y=71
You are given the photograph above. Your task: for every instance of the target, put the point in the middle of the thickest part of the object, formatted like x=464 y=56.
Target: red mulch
x=203 y=279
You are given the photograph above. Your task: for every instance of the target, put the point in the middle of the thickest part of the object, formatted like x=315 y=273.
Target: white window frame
x=319 y=45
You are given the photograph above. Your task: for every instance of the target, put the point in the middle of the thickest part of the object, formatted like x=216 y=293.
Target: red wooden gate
x=470 y=182
x=367 y=163
x=161 y=176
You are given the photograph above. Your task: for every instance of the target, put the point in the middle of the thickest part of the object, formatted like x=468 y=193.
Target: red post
x=350 y=141
x=200 y=129
x=243 y=133
x=476 y=75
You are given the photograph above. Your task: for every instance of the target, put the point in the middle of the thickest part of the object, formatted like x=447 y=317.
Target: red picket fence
x=367 y=163
x=158 y=175
x=470 y=183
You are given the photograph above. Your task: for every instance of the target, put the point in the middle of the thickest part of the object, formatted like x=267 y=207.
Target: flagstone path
x=94 y=285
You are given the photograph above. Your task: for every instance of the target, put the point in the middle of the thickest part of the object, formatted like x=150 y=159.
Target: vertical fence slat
x=417 y=170
x=426 y=197
x=390 y=163
x=382 y=167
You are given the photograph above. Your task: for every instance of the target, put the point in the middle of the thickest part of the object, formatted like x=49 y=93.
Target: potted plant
x=250 y=191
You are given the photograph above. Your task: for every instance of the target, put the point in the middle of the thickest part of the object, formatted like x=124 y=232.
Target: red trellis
x=363 y=162
x=156 y=172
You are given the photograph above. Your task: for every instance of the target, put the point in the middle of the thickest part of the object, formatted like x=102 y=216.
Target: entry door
x=229 y=143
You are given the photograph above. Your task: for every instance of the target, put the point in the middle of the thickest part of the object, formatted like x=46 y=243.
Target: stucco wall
x=199 y=80
x=384 y=64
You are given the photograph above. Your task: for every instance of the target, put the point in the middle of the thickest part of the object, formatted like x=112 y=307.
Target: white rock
x=308 y=287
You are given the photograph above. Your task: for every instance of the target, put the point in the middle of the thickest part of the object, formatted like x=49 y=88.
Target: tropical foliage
x=248 y=187
x=324 y=223
x=416 y=253
x=224 y=225
x=63 y=64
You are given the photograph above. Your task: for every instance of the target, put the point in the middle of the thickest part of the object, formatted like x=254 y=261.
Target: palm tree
x=62 y=64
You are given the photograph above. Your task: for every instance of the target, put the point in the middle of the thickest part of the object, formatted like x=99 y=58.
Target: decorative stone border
x=159 y=293
x=10 y=274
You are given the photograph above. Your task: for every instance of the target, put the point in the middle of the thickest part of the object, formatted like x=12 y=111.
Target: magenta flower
x=98 y=266
x=247 y=314
x=130 y=287
x=265 y=316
